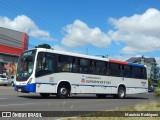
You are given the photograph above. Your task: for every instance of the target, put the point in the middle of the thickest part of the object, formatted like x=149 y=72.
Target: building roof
x=138 y=59
x=13 y=42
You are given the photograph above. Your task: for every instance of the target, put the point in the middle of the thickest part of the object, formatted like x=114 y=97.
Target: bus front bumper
x=25 y=88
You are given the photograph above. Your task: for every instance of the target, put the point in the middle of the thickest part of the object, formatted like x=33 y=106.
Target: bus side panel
x=117 y=81
x=46 y=84
x=82 y=89
x=45 y=88
x=133 y=85
x=129 y=84
x=141 y=86
x=77 y=81
x=85 y=83
x=104 y=86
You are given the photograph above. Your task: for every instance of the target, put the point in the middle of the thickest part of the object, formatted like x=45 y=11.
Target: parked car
x=11 y=80
x=3 y=80
x=151 y=89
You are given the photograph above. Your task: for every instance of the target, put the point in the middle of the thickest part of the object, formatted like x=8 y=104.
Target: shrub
x=157 y=92
x=149 y=82
x=158 y=84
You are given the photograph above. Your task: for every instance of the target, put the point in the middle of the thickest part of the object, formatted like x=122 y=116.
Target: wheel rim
x=63 y=91
x=121 y=93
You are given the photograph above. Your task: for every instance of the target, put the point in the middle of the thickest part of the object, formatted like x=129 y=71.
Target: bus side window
x=83 y=68
x=114 y=69
x=127 y=71
x=91 y=67
x=137 y=72
x=144 y=73
x=107 y=68
x=59 y=63
x=100 y=68
x=74 y=66
x=50 y=63
x=64 y=63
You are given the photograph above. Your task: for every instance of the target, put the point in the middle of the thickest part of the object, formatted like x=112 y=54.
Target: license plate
x=19 y=89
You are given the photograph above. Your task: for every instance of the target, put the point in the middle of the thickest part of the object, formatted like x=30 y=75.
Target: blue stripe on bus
x=105 y=86
x=135 y=64
x=92 y=85
x=46 y=83
x=138 y=87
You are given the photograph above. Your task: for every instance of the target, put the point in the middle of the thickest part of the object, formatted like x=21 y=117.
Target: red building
x=12 y=44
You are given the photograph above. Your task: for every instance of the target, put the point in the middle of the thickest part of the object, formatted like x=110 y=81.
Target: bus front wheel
x=63 y=91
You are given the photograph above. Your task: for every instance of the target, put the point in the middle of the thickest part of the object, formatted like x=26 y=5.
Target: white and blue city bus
x=48 y=71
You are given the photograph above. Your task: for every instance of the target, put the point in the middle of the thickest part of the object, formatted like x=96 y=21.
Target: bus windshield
x=25 y=65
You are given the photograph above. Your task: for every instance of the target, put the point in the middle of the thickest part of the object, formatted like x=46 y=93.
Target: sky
x=119 y=29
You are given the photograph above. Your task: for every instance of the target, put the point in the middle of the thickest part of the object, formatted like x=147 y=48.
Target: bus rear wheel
x=121 y=92
x=44 y=95
x=63 y=91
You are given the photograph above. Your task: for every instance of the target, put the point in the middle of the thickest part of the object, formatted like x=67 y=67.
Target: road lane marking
x=17 y=104
x=3 y=98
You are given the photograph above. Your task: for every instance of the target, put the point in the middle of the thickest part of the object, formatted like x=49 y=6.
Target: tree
x=158 y=84
x=43 y=46
x=149 y=82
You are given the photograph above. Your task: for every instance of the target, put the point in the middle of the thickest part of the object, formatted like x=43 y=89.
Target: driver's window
x=45 y=64
x=30 y=67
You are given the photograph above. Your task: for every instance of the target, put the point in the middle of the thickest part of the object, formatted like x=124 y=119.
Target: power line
x=39 y=20
x=12 y=7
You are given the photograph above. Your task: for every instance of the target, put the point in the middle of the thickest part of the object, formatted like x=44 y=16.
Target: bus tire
x=101 y=95
x=44 y=95
x=63 y=91
x=121 y=92
x=12 y=84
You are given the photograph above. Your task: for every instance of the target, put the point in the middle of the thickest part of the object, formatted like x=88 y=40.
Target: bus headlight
x=30 y=80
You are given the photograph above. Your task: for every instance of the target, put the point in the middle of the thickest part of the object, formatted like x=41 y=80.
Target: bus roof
x=89 y=57
x=126 y=63
x=77 y=55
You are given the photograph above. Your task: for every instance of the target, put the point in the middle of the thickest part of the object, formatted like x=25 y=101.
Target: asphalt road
x=14 y=101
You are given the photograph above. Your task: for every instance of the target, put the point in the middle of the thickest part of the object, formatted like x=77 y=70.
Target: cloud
x=58 y=47
x=63 y=48
x=140 y=32
x=119 y=57
x=79 y=34
x=25 y=24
